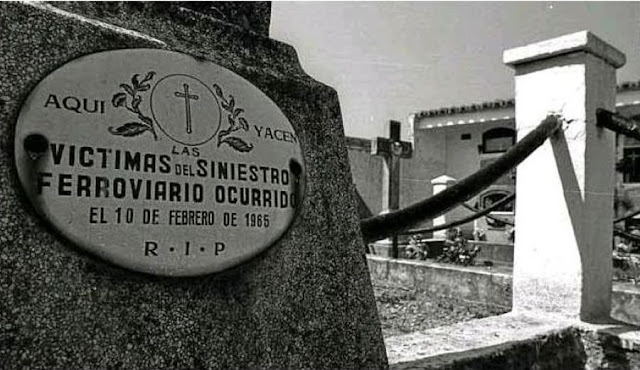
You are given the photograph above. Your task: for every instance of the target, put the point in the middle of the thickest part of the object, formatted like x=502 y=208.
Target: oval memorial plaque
x=159 y=162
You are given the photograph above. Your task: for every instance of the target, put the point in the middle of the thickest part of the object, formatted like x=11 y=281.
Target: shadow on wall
x=363 y=209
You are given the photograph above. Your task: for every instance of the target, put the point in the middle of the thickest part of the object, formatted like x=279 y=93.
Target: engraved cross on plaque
x=391 y=150
x=187 y=104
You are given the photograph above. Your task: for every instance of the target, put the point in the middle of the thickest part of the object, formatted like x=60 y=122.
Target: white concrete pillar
x=440 y=184
x=564 y=204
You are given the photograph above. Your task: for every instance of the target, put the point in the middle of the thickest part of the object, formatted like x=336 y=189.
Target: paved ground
x=404 y=311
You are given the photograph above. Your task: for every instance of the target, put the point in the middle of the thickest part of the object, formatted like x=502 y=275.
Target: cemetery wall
x=480 y=284
x=495 y=253
x=468 y=283
x=427 y=162
x=367 y=172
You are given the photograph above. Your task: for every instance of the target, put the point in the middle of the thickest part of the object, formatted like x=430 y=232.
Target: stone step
x=517 y=341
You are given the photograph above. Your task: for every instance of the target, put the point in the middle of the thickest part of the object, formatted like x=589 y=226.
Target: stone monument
x=391 y=149
x=164 y=196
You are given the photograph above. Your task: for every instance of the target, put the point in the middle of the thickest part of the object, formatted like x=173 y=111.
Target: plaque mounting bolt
x=35 y=145
x=295 y=168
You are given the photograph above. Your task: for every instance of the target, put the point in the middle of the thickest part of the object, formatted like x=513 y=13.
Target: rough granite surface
x=253 y=16
x=306 y=302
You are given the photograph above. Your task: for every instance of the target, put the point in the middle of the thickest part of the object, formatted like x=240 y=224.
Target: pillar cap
x=444 y=179
x=584 y=41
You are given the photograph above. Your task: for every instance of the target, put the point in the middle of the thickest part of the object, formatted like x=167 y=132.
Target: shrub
x=626 y=267
x=457 y=249
x=416 y=250
x=480 y=235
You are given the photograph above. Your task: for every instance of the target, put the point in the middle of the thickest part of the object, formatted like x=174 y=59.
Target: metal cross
x=391 y=150
x=187 y=105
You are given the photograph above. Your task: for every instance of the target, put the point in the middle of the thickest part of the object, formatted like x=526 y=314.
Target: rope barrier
x=461 y=221
x=473 y=209
x=485 y=212
x=617 y=123
x=498 y=219
x=621 y=233
x=383 y=226
x=627 y=216
x=627 y=127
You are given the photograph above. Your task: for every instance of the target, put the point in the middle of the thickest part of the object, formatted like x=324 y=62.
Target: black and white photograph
x=319 y=185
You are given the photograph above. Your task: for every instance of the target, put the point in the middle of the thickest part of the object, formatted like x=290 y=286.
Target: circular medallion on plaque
x=159 y=162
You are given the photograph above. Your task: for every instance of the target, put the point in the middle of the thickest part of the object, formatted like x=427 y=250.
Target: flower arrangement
x=457 y=249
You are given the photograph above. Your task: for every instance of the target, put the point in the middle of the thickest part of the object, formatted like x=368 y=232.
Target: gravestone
x=391 y=149
x=126 y=240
